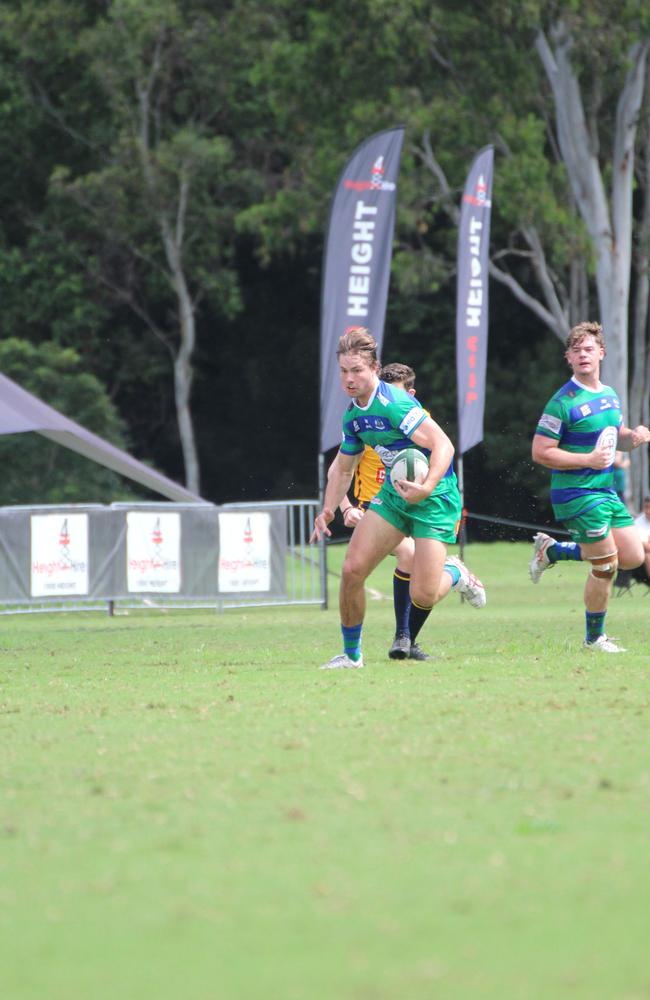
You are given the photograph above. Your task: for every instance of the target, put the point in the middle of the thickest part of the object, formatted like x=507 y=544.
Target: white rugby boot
x=540 y=560
x=469 y=585
x=604 y=645
x=342 y=662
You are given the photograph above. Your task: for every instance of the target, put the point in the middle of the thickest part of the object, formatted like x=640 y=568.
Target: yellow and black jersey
x=368 y=477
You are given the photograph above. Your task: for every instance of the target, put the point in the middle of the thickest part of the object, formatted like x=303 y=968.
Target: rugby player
x=576 y=438
x=390 y=420
x=369 y=475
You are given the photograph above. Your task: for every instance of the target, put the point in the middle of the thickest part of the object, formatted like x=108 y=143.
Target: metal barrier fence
x=159 y=555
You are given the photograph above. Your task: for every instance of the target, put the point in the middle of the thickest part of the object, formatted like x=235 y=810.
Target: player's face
x=358 y=377
x=585 y=358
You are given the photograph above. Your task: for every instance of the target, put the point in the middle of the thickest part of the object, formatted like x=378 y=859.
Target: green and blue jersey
x=386 y=423
x=580 y=419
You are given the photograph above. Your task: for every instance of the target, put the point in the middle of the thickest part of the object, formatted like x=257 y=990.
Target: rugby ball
x=409 y=464
x=608 y=439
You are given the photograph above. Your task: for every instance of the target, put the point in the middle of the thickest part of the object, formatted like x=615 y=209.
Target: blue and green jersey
x=580 y=419
x=386 y=423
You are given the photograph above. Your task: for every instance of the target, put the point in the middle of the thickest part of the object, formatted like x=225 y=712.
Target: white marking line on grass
x=377 y=594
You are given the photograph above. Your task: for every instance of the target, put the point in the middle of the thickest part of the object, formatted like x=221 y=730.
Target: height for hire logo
x=479 y=197
x=376 y=182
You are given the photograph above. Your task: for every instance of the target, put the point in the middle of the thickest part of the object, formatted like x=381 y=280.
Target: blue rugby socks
x=595 y=622
x=352 y=641
x=561 y=551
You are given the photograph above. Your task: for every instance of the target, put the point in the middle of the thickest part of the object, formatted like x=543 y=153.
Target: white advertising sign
x=153 y=552
x=244 y=552
x=59 y=554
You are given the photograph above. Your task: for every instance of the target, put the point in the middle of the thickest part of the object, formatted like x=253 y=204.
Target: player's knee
x=354 y=569
x=604 y=567
x=632 y=561
x=404 y=553
x=423 y=596
x=632 y=558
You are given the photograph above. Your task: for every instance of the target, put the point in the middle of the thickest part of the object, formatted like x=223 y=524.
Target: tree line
x=165 y=186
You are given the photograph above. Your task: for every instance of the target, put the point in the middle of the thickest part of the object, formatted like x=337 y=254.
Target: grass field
x=189 y=808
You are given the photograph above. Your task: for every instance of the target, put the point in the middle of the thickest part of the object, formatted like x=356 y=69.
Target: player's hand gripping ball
x=409 y=464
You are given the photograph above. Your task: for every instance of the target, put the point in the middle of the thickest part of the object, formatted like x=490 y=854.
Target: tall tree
x=157 y=201
x=154 y=211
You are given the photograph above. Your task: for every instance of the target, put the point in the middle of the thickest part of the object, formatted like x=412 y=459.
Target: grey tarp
x=20 y=412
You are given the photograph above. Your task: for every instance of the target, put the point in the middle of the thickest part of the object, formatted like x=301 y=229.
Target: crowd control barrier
x=163 y=555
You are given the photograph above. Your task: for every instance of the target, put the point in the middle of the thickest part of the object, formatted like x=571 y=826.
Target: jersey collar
x=587 y=388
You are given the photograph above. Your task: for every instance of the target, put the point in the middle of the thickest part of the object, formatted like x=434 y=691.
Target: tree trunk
x=579 y=294
x=639 y=386
x=173 y=238
x=183 y=374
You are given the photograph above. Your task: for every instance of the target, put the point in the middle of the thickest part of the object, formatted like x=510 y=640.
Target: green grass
x=190 y=808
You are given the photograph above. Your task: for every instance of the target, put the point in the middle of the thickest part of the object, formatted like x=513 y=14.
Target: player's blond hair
x=358 y=340
x=582 y=330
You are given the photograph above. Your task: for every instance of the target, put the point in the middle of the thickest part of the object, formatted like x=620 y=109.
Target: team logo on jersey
x=370 y=423
x=607 y=440
x=413 y=417
x=585 y=409
x=550 y=423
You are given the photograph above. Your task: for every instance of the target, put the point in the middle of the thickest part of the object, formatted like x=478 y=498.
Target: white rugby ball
x=608 y=439
x=409 y=464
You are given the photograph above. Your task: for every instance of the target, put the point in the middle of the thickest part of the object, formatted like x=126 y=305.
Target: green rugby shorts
x=436 y=517
x=594 y=522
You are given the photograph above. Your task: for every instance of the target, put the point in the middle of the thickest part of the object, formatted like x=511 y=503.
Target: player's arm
x=428 y=434
x=351 y=514
x=630 y=438
x=339 y=477
x=547 y=452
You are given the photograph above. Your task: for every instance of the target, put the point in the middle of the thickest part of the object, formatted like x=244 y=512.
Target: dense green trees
x=164 y=195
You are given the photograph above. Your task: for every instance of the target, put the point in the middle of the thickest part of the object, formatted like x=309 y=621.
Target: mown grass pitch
x=190 y=808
